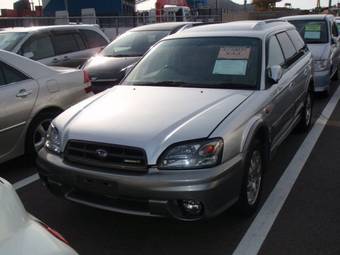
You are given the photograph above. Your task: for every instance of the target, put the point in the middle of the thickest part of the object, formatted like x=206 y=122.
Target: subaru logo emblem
x=102 y=153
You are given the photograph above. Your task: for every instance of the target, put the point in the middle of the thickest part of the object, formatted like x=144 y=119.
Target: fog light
x=192 y=207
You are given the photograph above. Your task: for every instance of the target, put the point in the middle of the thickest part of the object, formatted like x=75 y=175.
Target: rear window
x=9 y=40
x=312 y=31
x=93 y=39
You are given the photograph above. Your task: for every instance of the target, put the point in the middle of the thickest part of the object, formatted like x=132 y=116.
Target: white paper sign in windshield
x=232 y=61
x=313 y=31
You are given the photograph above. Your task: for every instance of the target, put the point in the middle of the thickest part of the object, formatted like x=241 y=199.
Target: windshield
x=226 y=62
x=132 y=44
x=312 y=31
x=8 y=40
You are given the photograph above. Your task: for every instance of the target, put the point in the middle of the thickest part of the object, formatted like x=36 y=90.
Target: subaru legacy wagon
x=190 y=130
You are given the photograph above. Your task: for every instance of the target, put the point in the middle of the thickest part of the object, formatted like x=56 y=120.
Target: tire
x=251 y=190
x=306 y=113
x=36 y=134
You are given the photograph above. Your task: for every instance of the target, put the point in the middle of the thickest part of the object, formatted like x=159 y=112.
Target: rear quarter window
x=93 y=39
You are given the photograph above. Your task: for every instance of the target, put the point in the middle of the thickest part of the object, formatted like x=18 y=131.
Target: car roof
x=48 y=28
x=168 y=26
x=251 y=28
x=309 y=17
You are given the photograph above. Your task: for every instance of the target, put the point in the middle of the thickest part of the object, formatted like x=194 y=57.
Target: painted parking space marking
x=256 y=234
x=26 y=181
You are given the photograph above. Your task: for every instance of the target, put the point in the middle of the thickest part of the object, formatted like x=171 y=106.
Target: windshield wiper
x=164 y=84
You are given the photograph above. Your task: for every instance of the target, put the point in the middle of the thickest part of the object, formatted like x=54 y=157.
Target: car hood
x=148 y=117
x=100 y=67
x=13 y=216
x=320 y=51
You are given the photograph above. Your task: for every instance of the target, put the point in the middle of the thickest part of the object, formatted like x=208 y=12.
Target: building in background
x=102 y=7
x=22 y=8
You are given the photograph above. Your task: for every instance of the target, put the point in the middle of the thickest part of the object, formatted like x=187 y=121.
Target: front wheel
x=306 y=113
x=252 y=181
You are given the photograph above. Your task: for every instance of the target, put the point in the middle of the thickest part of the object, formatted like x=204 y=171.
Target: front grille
x=105 y=156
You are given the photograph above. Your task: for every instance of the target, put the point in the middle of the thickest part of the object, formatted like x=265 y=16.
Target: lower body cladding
x=181 y=194
x=322 y=81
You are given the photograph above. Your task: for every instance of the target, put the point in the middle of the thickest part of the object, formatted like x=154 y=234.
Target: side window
x=64 y=43
x=335 y=31
x=275 y=55
x=79 y=41
x=286 y=45
x=38 y=47
x=296 y=39
x=2 y=77
x=10 y=75
x=93 y=39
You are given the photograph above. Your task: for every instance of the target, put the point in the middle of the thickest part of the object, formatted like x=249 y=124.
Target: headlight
x=53 y=140
x=192 y=155
x=321 y=65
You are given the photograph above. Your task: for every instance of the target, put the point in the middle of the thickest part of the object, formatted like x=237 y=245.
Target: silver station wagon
x=191 y=128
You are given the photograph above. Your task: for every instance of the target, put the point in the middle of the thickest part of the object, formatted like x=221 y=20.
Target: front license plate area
x=99 y=187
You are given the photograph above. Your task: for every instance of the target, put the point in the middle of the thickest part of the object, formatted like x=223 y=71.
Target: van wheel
x=306 y=113
x=251 y=189
x=36 y=134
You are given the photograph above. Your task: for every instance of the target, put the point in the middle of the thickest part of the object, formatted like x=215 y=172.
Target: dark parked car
x=108 y=68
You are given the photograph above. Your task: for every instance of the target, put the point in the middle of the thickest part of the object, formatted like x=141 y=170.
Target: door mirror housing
x=29 y=54
x=275 y=73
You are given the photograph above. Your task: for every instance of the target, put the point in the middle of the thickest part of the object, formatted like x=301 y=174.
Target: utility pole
x=245 y=4
x=330 y=4
x=66 y=4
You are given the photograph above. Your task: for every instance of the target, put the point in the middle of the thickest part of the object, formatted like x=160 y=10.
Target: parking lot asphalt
x=309 y=222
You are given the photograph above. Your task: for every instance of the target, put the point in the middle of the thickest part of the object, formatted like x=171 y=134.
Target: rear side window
x=65 y=43
x=10 y=75
x=286 y=45
x=93 y=39
x=275 y=55
x=79 y=41
x=335 y=30
x=296 y=39
x=38 y=47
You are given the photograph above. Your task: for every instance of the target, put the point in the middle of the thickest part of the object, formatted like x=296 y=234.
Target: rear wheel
x=306 y=113
x=36 y=134
x=252 y=181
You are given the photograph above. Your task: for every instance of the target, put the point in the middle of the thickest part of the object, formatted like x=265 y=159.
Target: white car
x=68 y=45
x=21 y=233
x=31 y=95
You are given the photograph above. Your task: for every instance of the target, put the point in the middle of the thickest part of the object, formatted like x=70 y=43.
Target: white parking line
x=26 y=181
x=256 y=234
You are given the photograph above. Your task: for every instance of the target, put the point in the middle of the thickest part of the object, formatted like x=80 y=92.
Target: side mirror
x=29 y=54
x=275 y=73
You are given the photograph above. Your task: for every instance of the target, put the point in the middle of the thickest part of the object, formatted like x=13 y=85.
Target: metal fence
x=111 y=25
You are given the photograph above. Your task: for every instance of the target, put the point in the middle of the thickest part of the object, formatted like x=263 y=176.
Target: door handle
x=291 y=85
x=24 y=93
x=55 y=61
x=66 y=58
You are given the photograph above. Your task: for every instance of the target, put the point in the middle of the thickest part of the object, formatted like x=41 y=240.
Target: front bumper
x=322 y=80
x=156 y=193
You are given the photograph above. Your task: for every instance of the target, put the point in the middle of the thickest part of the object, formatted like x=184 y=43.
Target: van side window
x=287 y=46
x=93 y=39
x=10 y=75
x=275 y=55
x=64 y=43
x=38 y=47
x=335 y=31
x=296 y=39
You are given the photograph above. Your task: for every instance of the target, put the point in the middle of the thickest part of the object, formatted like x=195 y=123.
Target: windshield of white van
x=219 y=62
x=312 y=31
x=133 y=44
x=8 y=40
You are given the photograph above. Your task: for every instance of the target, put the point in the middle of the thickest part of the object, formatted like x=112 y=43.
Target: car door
x=39 y=47
x=282 y=105
x=302 y=67
x=68 y=45
x=18 y=94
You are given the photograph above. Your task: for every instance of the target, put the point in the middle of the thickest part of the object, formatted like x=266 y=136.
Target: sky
x=303 y=4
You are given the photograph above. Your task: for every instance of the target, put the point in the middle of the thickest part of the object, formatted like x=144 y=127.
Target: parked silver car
x=190 y=130
x=68 y=45
x=321 y=34
x=31 y=95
